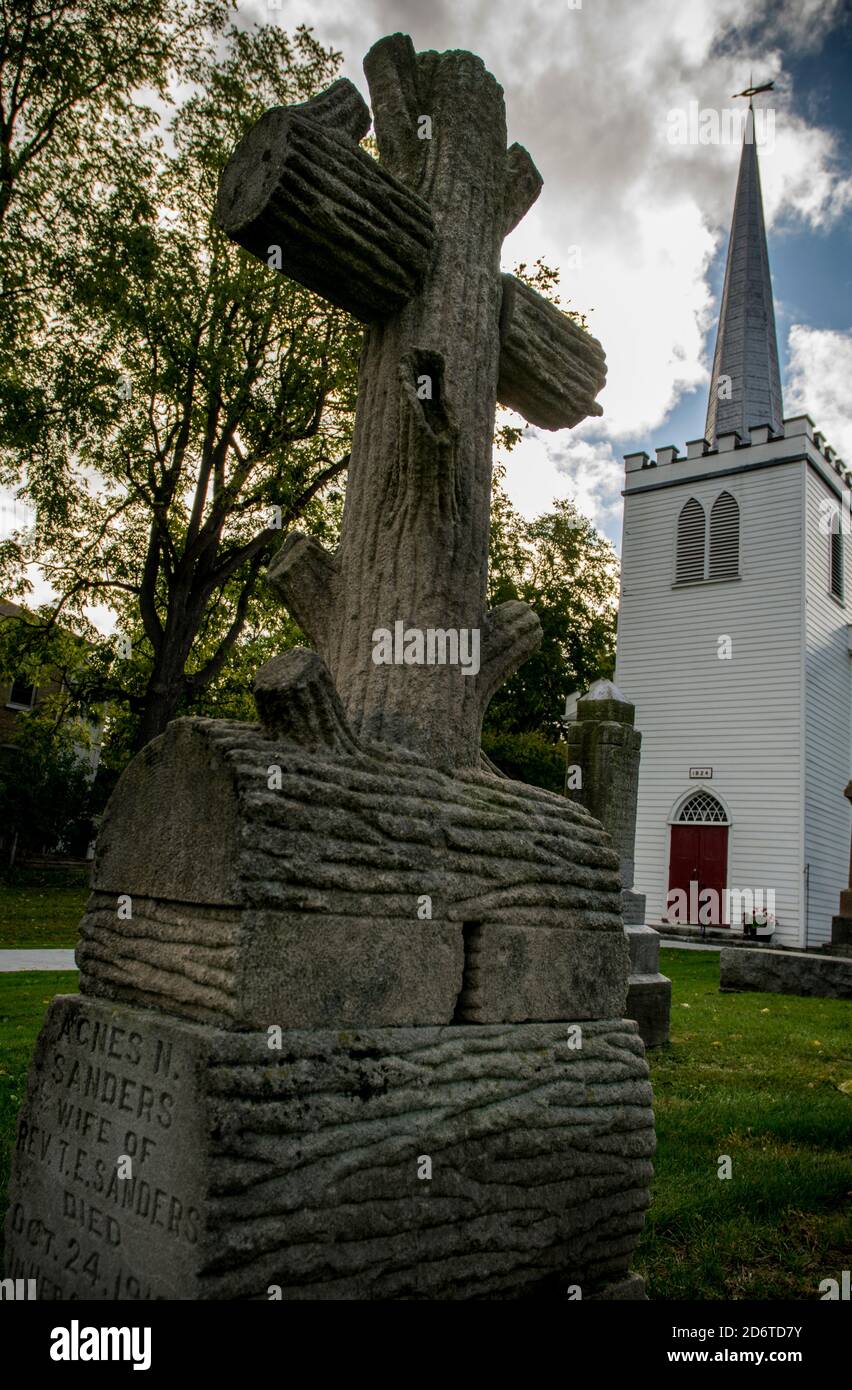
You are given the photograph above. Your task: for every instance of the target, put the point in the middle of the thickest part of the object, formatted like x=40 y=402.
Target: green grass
x=42 y=908
x=755 y=1076
x=24 y=999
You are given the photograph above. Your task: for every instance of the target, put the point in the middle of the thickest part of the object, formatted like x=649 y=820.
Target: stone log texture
x=281 y=871
x=331 y=965
x=603 y=743
x=414 y=539
x=300 y=1168
x=551 y=370
x=344 y=228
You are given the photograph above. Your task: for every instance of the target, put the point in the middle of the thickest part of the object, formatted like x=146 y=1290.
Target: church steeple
x=745 y=389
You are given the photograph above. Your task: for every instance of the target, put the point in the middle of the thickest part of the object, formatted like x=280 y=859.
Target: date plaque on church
x=700 y=773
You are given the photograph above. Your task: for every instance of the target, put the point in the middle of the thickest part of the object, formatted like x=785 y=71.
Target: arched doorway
x=698 y=857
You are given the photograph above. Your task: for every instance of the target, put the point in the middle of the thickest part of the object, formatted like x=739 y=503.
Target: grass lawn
x=753 y=1076
x=756 y=1077
x=42 y=908
x=24 y=999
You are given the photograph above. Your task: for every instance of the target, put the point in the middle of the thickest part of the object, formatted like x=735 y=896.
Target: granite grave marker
x=350 y=947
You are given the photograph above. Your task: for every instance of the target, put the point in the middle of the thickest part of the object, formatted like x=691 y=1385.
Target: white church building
x=734 y=633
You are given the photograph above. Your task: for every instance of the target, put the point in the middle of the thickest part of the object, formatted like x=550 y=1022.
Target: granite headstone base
x=649 y=994
x=841 y=928
x=159 y=1158
x=786 y=972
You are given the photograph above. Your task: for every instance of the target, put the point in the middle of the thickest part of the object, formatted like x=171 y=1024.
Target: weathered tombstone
x=825 y=973
x=602 y=750
x=351 y=1005
x=602 y=744
x=841 y=924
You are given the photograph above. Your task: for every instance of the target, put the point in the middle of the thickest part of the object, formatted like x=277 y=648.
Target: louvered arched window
x=691 y=527
x=724 y=538
x=835 y=557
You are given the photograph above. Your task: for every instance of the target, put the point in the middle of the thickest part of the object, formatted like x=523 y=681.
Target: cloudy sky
x=638 y=223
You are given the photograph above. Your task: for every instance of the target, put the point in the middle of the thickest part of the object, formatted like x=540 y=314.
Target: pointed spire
x=745 y=389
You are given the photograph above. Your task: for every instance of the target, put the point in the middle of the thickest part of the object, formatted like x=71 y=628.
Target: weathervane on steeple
x=753 y=91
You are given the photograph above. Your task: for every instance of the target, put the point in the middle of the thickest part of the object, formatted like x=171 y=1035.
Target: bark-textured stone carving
x=330 y=849
x=357 y=997
x=298 y=1168
x=414 y=540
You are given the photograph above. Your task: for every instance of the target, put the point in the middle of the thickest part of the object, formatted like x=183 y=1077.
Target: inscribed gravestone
x=292 y=1033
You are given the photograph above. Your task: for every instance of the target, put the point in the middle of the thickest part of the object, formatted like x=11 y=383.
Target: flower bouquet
x=760 y=924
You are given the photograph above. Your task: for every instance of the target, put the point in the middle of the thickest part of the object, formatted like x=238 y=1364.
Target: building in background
x=734 y=636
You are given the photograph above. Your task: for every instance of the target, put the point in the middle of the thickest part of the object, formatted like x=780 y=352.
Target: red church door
x=699 y=854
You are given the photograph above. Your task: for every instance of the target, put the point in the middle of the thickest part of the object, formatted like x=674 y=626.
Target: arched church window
x=835 y=557
x=703 y=809
x=724 y=538
x=691 y=527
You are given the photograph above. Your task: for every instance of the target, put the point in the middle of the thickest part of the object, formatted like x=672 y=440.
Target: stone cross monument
x=411 y=246
x=351 y=1012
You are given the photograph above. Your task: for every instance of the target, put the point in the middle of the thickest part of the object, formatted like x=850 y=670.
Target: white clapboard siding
x=828 y=700
x=743 y=717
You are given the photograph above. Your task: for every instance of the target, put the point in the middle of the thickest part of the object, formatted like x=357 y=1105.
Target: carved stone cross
x=410 y=244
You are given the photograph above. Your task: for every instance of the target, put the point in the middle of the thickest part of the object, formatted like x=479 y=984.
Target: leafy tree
x=526 y=757
x=189 y=406
x=567 y=572
x=70 y=81
x=47 y=793
x=65 y=64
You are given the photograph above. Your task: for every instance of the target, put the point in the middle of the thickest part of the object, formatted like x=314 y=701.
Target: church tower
x=734 y=638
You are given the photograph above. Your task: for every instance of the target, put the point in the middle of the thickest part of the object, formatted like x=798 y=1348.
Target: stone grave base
x=649 y=994
x=306 y=1165
x=786 y=972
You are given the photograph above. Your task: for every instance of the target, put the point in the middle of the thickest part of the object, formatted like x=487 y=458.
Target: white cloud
x=818 y=382
x=595 y=475
x=588 y=92
x=546 y=466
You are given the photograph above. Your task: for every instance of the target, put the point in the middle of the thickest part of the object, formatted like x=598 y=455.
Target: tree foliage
x=567 y=571
x=169 y=406
x=189 y=404
x=70 y=78
x=47 y=792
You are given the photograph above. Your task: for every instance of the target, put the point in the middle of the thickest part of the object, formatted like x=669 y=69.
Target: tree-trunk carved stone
x=414 y=541
x=332 y=957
